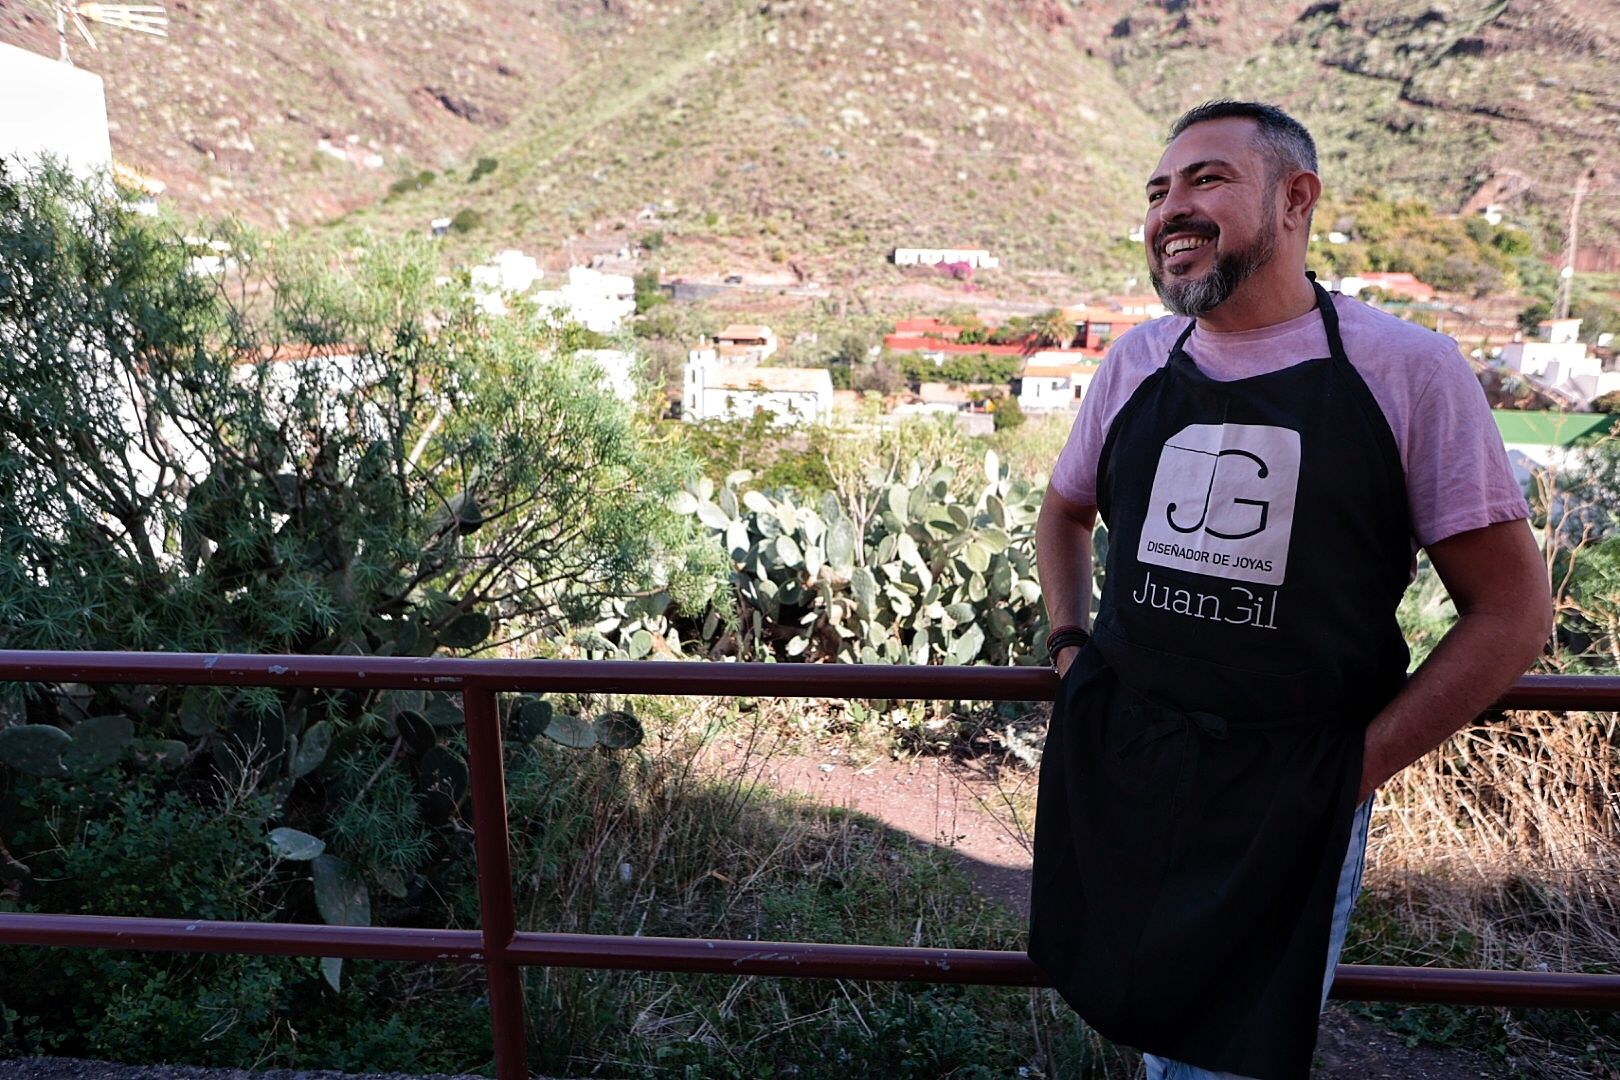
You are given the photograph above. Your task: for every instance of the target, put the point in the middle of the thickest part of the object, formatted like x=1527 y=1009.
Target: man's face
x=1211 y=219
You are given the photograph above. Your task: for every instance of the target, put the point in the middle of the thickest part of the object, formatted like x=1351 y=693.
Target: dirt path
x=982 y=815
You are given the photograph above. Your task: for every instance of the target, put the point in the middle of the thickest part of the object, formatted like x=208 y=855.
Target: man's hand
x=1497 y=579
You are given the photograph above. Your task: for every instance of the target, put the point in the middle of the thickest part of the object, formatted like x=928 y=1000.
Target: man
x=1267 y=464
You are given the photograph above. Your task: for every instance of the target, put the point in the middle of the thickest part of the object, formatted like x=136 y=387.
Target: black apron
x=1201 y=769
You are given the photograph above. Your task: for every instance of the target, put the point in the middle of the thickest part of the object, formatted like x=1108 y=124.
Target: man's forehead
x=1230 y=138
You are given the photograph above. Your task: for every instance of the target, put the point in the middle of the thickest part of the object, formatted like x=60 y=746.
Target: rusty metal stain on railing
x=503 y=950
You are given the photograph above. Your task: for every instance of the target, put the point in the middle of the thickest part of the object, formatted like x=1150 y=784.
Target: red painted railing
x=502 y=950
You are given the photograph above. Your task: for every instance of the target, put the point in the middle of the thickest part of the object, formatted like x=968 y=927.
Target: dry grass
x=1502 y=850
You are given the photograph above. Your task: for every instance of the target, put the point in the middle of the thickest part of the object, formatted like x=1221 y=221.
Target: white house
x=510 y=272
x=719 y=391
x=1559 y=359
x=618 y=367
x=596 y=300
x=977 y=258
x=48 y=108
x=1051 y=380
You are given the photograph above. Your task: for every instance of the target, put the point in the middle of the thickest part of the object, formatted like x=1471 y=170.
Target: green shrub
x=648 y=294
x=406 y=184
x=482 y=168
x=466 y=220
x=961 y=368
x=1008 y=413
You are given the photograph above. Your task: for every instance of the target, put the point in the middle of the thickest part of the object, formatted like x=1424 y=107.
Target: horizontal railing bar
x=905 y=681
x=539 y=676
x=1464 y=986
x=1449 y=986
x=249 y=938
x=884 y=963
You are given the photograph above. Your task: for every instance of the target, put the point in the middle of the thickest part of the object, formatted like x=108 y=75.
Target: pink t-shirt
x=1457 y=472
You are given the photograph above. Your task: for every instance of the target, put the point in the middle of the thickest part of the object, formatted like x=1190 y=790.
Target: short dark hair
x=1285 y=139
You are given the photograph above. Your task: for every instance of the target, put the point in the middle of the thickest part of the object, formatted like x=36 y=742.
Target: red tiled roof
x=1399 y=282
x=909 y=343
x=743 y=332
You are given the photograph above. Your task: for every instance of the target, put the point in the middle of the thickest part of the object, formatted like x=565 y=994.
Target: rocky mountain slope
x=810 y=136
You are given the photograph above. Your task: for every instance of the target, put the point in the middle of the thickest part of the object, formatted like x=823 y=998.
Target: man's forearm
x=1063 y=561
x=1477 y=660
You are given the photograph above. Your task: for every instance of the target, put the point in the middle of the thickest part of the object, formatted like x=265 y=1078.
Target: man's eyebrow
x=1189 y=170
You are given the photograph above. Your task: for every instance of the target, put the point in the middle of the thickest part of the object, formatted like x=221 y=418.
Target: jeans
x=1159 y=1068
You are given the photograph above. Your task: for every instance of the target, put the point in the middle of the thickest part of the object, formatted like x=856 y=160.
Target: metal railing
x=503 y=950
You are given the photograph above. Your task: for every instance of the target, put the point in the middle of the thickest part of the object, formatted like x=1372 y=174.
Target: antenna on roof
x=149 y=19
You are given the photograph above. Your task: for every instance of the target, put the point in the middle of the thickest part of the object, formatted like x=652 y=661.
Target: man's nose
x=1173 y=208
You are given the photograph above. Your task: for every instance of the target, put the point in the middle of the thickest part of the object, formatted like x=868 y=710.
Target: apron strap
x=1182 y=340
x=1330 y=321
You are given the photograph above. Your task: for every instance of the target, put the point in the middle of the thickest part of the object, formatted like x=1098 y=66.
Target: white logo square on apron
x=1223 y=502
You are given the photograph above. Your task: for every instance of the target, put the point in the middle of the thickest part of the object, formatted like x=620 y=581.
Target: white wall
x=51 y=108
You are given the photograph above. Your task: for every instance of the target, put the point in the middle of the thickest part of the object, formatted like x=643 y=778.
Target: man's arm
x=1497 y=579
x=1063 y=561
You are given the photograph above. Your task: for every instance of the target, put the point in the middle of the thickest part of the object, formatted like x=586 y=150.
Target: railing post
x=497 y=915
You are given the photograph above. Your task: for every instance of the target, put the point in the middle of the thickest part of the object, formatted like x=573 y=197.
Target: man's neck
x=1261 y=301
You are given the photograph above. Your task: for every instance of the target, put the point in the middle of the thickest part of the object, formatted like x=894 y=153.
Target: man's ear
x=1300 y=194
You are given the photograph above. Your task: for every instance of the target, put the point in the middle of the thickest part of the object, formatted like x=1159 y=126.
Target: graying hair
x=1287 y=143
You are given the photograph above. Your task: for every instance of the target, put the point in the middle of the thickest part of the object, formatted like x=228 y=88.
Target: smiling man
x=1267 y=460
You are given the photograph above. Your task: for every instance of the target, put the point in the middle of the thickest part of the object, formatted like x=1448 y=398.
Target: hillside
x=286 y=111
x=1463 y=102
x=822 y=135
x=806 y=138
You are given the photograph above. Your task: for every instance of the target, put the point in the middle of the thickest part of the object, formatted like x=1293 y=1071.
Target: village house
x=746 y=341
x=1402 y=285
x=739 y=343
x=937 y=349
x=976 y=258
x=1055 y=379
x=1558 y=360
x=1147 y=304
x=1097 y=327
x=595 y=300
x=723 y=391
x=928 y=327
x=65 y=117
x=618 y=371
x=1541 y=440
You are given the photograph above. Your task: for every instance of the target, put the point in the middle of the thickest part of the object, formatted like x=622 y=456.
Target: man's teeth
x=1186 y=243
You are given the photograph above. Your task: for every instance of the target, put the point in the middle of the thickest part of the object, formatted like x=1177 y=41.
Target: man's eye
x=1155 y=196
x=1201 y=179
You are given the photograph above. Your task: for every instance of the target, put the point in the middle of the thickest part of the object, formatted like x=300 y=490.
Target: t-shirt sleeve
x=1457 y=472
x=1075 y=475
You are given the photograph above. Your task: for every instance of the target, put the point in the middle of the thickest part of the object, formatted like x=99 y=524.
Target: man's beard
x=1201 y=295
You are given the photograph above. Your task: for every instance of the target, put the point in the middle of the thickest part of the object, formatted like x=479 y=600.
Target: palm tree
x=1052 y=329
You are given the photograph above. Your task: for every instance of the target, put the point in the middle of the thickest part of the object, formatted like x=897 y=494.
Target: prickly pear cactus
x=930 y=579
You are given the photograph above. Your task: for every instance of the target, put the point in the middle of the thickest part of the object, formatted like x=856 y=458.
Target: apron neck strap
x=1330 y=319
x=1324 y=304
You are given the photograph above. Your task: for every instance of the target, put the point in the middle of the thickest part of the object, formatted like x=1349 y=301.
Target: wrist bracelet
x=1063 y=637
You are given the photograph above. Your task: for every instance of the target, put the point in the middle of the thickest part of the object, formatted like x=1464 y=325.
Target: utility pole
x=1566 y=275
